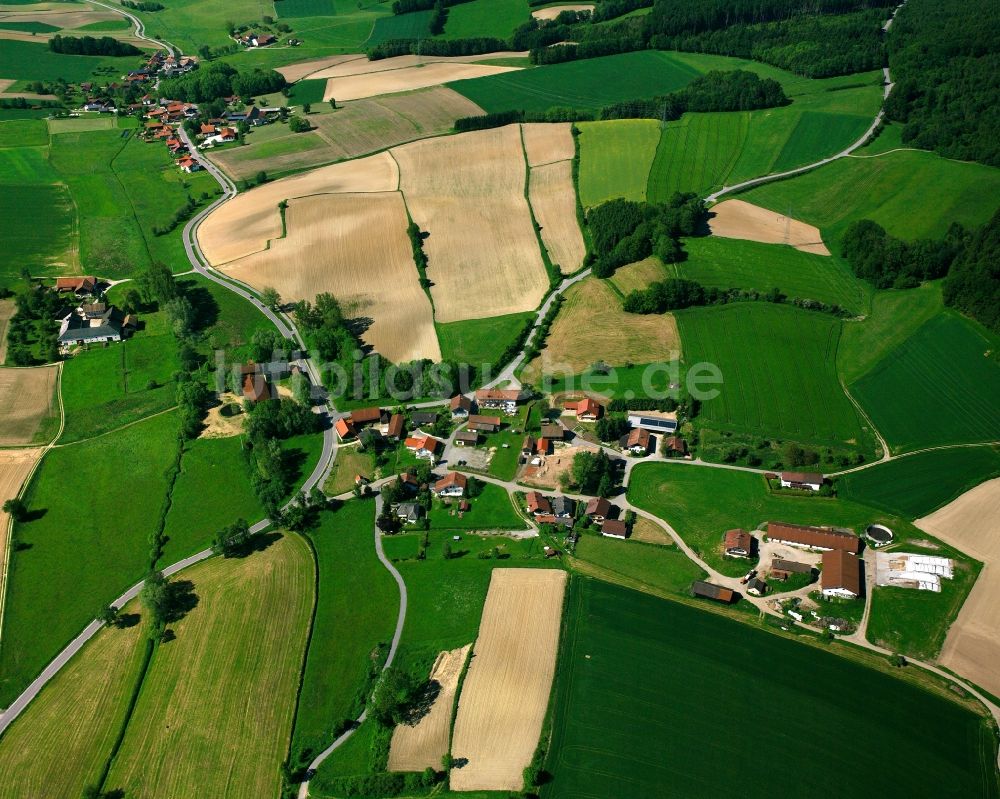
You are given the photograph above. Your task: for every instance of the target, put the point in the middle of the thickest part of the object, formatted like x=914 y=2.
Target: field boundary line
x=117 y=429
x=21 y=492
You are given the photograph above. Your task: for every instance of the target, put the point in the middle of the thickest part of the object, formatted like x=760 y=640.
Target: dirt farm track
x=506 y=690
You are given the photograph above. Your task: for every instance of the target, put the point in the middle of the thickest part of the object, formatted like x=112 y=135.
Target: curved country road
x=397 y=634
x=140 y=26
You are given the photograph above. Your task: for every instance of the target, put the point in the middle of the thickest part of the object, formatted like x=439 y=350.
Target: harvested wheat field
x=506 y=689
x=355 y=247
x=553 y=199
x=547 y=143
x=245 y=224
x=303 y=69
x=592 y=326
x=640 y=274
x=215 y=712
x=61 y=742
x=972 y=524
x=736 y=219
x=15 y=466
x=372 y=84
x=365 y=67
x=356 y=128
x=426 y=742
x=483 y=255
x=73 y=16
x=27 y=402
x=554 y=11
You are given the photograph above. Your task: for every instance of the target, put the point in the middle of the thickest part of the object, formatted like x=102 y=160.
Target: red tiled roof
x=841 y=570
x=452 y=479
x=614 y=527
x=738 y=539
x=818 y=537
x=365 y=415
x=598 y=506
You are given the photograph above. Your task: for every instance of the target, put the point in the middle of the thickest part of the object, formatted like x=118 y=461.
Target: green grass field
x=45 y=245
x=291 y=9
x=491 y=510
x=624 y=729
x=615 y=159
x=345 y=630
x=212 y=491
x=241 y=646
x=916 y=485
x=940 y=386
x=732 y=263
x=34 y=61
x=28 y=27
x=652 y=568
x=778 y=367
x=701 y=503
x=95 y=505
x=588 y=85
x=415 y=25
x=479 y=341
x=696 y=153
x=24 y=133
x=94 y=690
x=892 y=318
x=107 y=387
x=496 y=18
x=227 y=321
x=891 y=189
x=620 y=382
x=305 y=91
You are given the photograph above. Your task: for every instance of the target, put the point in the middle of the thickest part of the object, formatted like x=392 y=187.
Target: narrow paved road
x=393 y=646
x=140 y=26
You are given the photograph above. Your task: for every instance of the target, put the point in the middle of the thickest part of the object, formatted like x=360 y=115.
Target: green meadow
x=93 y=505
x=34 y=61
x=778 y=370
x=733 y=263
x=623 y=727
x=415 y=25
x=615 y=157
x=889 y=188
x=919 y=484
x=496 y=18
x=940 y=386
x=588 y=84
x=480 y=341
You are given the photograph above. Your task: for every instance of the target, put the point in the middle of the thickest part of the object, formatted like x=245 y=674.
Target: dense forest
x=221 y=80
x=973 y=283
x=945 y=59
x=88 y=45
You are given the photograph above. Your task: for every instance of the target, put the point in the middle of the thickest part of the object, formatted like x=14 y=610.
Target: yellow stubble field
x=553 y=199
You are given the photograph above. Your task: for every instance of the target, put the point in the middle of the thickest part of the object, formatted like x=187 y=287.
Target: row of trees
x=675 y=293
x=945 y=58
x=888 y=262
x=33 y=331
x=89 y=45
x=973 y=284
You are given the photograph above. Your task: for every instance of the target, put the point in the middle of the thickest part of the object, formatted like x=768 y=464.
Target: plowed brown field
x=27 y=400
x=737 y=219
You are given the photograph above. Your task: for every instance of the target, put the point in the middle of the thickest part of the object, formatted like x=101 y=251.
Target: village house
x=756 y=587
x=818 y=538
x=251 y=115
x=841 y=574
x=553 y=432
x=657 y=424
x=614 y=528
x=505 y=400
x=460 y=406
x=563 y=507
x=586 y=410
x=364 y=416
x=484 y=424
x=423 y=446
x=396 y=428
x=207 y=130
x=453 y=484
x=738 y=543
x=710 y=591
x=598 y=509
x=344 y=429
x=466 y=438
x=537 y=503
x=803 y=480
x=410 y=512
x=254 y=383
x=80 y=286
x=543 y=446
x=638 y=442
x=188 y=164
x=423 y=417
x=675 y=447
x=409 y=482
x=100 y=325
x=548 y=518
x=782 y=569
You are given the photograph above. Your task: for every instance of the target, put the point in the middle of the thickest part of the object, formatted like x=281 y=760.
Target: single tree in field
x=333 y=103
x=15 y=509
x=446 y=550
x=306 y=108
x=270 y=297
